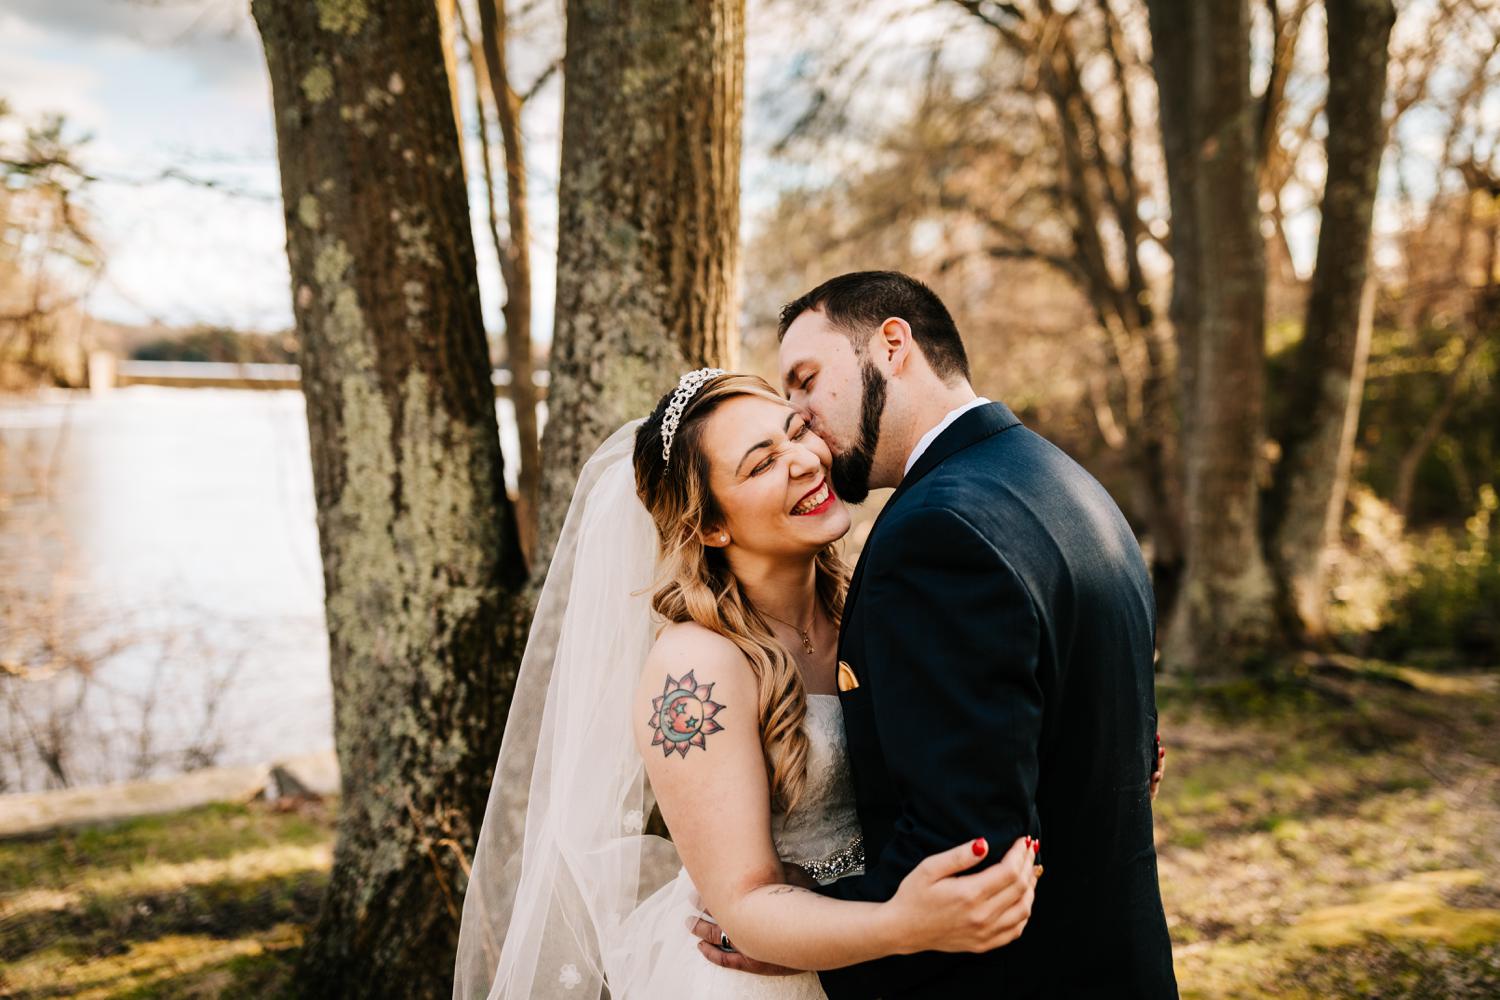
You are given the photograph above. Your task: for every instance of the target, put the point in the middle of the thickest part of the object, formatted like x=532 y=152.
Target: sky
x=156 y=87
x=181 y=85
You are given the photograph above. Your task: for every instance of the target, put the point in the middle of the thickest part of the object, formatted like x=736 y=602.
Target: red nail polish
x=979 y=847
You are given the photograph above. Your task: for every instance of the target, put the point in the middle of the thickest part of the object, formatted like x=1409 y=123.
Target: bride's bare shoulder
x=678 y=638
x=688 y=652
x=684 y=646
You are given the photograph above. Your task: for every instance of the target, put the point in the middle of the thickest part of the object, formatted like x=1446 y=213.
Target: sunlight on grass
x=161 y=878
x=1335 y=840
x=148 y=968
x=1410 y=908
x=206 y=903
x=216 y=831
x=1304 y=852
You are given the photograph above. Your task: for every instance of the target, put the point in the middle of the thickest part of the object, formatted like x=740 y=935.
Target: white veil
x=562 y=858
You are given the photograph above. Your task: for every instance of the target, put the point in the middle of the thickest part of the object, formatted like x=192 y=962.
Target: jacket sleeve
x=953 y=640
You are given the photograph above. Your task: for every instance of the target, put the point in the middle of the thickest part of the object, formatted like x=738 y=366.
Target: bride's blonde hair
x=695 y=583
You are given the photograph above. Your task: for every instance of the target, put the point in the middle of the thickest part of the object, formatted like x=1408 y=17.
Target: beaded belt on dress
x=837 y=864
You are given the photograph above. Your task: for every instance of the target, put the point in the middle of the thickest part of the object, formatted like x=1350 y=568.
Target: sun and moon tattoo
x=683 y=715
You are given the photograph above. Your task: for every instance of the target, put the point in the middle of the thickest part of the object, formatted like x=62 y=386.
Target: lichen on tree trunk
x=648 y=232
x=418 y=541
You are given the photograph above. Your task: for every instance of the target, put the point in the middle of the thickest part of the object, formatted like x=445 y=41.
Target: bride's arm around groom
x=700 y=736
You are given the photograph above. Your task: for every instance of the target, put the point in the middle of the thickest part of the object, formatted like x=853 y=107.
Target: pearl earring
x=723 y=537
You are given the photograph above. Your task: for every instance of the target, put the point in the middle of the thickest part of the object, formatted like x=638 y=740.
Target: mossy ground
x=1332 y=833
x=204 y=903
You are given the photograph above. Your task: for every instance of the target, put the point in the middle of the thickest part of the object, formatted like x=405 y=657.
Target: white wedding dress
x=568 y=897
x=659 y=956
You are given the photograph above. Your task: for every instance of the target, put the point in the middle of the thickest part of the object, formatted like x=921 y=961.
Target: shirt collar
x=942 y=425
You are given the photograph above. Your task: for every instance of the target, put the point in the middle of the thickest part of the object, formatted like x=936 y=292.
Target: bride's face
x=769 y=473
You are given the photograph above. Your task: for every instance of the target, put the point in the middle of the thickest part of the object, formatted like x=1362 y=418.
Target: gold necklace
x=806 y=640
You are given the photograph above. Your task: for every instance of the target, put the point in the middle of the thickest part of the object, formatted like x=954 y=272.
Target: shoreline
x=24 y=814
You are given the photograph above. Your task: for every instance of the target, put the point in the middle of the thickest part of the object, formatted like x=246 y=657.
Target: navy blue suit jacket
x=1001 y=625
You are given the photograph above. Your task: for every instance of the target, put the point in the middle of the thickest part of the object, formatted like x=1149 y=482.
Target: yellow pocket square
x=847 y=680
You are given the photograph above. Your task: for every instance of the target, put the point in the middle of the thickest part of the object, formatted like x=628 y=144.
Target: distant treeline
x=219 y=344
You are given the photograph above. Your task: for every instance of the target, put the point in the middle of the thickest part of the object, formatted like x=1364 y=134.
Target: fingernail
x=979 y=847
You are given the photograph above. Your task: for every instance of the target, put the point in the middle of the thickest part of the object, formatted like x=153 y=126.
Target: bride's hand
x=938 y=909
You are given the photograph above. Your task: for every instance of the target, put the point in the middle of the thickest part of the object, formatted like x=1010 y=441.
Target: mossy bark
x=1320 y=412
x=648 y=231
x=418 y=541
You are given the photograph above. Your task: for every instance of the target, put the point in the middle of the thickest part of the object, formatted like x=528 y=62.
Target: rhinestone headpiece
x=687 y=388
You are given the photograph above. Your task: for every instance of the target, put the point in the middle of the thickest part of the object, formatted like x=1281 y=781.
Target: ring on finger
x=724 y=944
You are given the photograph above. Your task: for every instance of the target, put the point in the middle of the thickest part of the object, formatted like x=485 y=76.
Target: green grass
x=207 y=902
x=1333 y=832
x=211 y=833
x=1329 y=830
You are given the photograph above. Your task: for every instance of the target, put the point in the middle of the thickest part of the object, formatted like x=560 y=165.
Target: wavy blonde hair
x=696 y=585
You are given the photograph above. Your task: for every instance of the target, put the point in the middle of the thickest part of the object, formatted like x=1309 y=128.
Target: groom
x=998 y=635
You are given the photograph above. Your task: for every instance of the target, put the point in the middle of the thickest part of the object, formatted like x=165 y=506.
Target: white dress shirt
x=931 y=435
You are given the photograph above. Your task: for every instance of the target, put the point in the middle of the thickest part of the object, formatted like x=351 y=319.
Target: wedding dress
x=568 y=896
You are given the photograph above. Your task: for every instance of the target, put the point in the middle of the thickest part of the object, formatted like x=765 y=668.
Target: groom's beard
x=851 y=469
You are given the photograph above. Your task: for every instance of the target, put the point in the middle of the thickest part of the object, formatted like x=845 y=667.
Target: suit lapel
x=978 y=424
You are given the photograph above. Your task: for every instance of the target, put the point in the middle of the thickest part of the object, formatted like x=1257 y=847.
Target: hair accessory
x=687 y=388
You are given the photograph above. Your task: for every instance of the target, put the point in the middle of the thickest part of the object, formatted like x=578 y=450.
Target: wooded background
x=1240 y=259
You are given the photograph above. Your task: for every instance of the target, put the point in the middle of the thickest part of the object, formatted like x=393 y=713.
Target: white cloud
x=35 y=86
x=158 y=85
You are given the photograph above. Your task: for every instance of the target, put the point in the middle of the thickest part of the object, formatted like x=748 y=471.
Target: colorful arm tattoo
x=683 y=715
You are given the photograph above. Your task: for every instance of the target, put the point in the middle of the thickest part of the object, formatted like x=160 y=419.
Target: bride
x=680 y=672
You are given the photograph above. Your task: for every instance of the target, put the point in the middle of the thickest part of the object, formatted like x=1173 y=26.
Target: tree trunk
x=418 y=540
x=448 y=14
x=1173 y=46
x=1306 y=502
x=648 y=232
x=515 y=266
x=1223 y=615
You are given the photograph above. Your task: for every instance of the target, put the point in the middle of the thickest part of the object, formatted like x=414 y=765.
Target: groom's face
x=840 y=393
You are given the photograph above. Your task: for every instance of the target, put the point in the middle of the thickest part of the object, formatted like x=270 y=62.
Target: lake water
x=162 y=588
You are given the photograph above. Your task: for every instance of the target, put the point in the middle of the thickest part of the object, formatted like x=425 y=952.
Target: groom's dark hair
x=860 y=301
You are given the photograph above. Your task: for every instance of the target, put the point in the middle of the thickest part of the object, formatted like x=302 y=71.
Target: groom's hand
x=709 y=937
